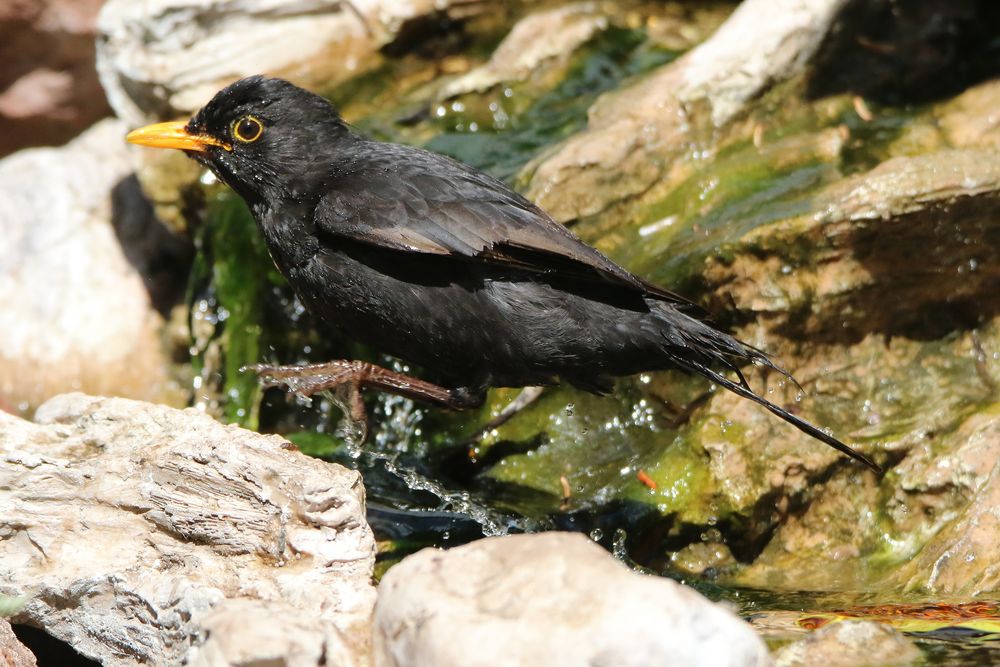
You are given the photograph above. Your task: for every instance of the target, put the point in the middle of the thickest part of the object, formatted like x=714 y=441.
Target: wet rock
x=149 y=535
x=877 y=252
x=633 y=133
x=547 y=599
x=12 y=652
x=536 y=38
x=166 y=58
x=950 y=493
x=703 y=558
x=850 y=644
x=973 y=118
x=49 y=90
x=77 y=305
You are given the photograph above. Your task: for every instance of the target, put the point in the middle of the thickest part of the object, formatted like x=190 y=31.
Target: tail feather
x=742 y=389
x=705 y=346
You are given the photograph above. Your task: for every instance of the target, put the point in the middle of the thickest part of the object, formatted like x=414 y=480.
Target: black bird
x=439 y=264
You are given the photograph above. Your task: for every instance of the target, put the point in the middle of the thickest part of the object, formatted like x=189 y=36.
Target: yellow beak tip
x=173 y=135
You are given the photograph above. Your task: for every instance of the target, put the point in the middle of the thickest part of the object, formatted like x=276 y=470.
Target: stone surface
x=850 y=644
x=951 y=495
x=166 y=58
x=552 y=599
x=875 y=251
x=632 y=132
x=141 y=534
x=12 y=652
x=49 y=90
x=536 y=38
x=76 y=243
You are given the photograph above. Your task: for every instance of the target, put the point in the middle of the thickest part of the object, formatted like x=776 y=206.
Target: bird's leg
x=309 y=379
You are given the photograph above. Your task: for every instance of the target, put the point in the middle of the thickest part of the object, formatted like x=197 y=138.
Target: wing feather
x=422 y=202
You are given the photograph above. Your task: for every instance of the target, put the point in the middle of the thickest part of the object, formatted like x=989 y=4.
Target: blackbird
x=439 y=264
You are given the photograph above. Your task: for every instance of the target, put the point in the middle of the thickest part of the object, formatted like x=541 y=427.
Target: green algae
x=226 y=293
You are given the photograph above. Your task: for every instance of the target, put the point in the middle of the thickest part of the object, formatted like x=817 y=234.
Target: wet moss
x=226 y=293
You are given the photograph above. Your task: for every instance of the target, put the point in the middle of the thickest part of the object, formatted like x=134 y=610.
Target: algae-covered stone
x=850 y=644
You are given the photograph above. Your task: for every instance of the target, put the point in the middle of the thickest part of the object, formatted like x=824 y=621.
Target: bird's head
x=265 y=138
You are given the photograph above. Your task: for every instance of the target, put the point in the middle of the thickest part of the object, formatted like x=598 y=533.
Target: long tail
x=712 y=346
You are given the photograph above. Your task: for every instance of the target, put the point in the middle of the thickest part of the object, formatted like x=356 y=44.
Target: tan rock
x=12 y=652
x=147 y=535
x=538 y=37
x=633 y=132
x=76 y=311
x=850 y=644
x=552 y=599
x=954 y=496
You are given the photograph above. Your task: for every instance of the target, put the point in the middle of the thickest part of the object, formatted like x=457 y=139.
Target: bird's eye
x=248 y=129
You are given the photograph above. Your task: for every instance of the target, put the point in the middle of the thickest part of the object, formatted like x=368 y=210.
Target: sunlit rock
x=552 y=600
x=148 y=535
x=12 y=652
x=850 y=644
x=79 y=255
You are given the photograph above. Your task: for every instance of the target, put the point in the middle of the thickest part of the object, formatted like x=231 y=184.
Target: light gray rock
x=141 y=534
x=542 y=36
x=12 y=652
x=632 y=132
x=850 y=644
x=76 y=313
x=165 y=58
x=552 y=600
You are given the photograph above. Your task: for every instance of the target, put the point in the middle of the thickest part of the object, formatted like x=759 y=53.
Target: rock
x=534 y=39
x=850 y=644
x=972 y=118
x=49 y=90
x=548 y=599
x=149 y=535
x=633 y=133
x=853 y=255
x=77 y=313
x=12 y=652
x=166 y=58
x=948 y=495
x=704 y=559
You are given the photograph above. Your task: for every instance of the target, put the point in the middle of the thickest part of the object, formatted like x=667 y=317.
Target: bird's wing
x=436 y=206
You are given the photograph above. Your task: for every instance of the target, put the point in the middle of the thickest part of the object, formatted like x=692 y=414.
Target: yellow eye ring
x=248 y=129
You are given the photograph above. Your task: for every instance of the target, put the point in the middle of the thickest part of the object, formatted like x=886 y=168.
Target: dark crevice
x=49 y=651
x=906 y=51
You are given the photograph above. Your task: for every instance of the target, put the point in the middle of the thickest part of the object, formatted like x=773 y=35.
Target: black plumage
x=441 y=265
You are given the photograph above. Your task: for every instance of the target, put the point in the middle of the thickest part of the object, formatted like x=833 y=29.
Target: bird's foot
x=309 y=379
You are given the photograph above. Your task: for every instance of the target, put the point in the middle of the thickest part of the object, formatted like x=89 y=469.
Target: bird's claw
x=296 y=379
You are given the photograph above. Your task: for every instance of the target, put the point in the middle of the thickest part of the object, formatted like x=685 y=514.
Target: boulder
x=850 y=644
x=77 y=241
x=142 y=534
x=552 y=599
x=632 y=132
x=166 y=58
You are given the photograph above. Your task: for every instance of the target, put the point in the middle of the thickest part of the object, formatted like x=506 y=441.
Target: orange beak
x=174 y=135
